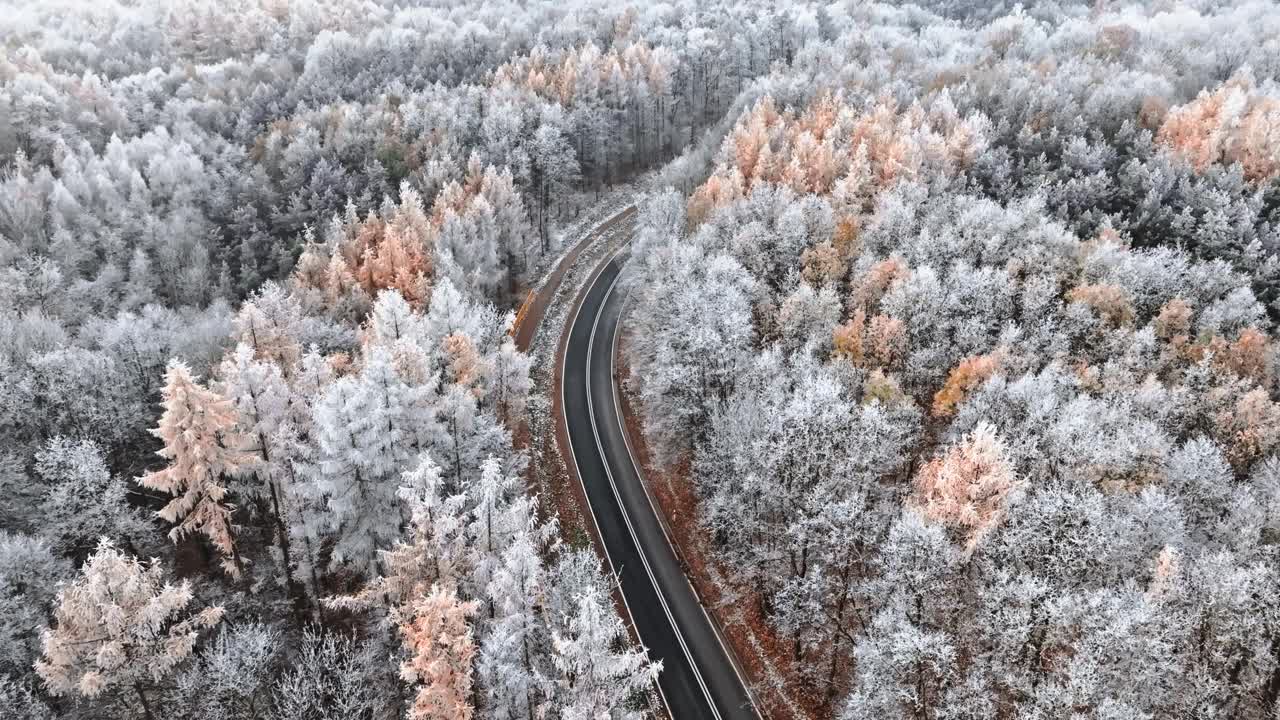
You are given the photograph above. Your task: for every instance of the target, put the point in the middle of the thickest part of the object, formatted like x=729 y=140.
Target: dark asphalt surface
x=675 y=632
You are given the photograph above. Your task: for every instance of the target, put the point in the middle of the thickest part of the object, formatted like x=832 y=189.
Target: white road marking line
x=636 y=467
x=617 y=579
x=626 y=519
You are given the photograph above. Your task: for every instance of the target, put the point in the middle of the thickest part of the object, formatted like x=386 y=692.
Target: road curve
x=698 y=679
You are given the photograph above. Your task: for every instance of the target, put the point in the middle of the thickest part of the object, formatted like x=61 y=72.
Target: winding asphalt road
x=698 y=679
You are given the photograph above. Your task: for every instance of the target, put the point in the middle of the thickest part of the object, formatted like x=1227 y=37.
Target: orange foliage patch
x=1109 y=301
x=871 y=287
x=845 y=239
x=1247 y=356
x=560 y=78
x=822 y=265
x=1174 y=321
x=374 y=254
x=887 y=337
x=390 y=257
x=440 y=653
x=964 y=379
x=716 y=192
x=832 y=148
x=463 y=359
x=848 y=339
x=966 y=488
x=880 y=343
x=395 y=250
x=1232 y=124
x=1250 y=428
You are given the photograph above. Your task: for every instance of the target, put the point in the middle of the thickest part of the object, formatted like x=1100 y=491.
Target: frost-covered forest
x=257 y=395
x=966 y=344
x=957 y=317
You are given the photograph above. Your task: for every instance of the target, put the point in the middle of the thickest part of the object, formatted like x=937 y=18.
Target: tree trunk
x=1272 y=694
x=142 y=698
x=831 y=672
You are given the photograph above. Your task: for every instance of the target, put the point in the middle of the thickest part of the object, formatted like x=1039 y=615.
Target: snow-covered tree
x=231 y=677
x=333 y=676
x=594 y=678
x=84 y=501
x=511 y=663
x=438 y=639
x=507 y=382
x=369 y=428
x=204 y=447
x=969 y=486
x=433 y=551
x=18 y=700
x=29 y=577
x=872 y=245
x=119 y=627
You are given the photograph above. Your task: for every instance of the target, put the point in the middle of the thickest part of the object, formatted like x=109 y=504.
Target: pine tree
x=554 y=168
x=269 y=323
x=264 y=400
x=468 y=436
x=512 y=663
x=501 y=514
x=507 y=382
x=391 y=320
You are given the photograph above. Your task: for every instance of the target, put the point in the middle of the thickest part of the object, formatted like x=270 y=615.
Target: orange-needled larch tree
x=119 y=626
x=441 y=648
x=968 y=486
x=203 y=446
